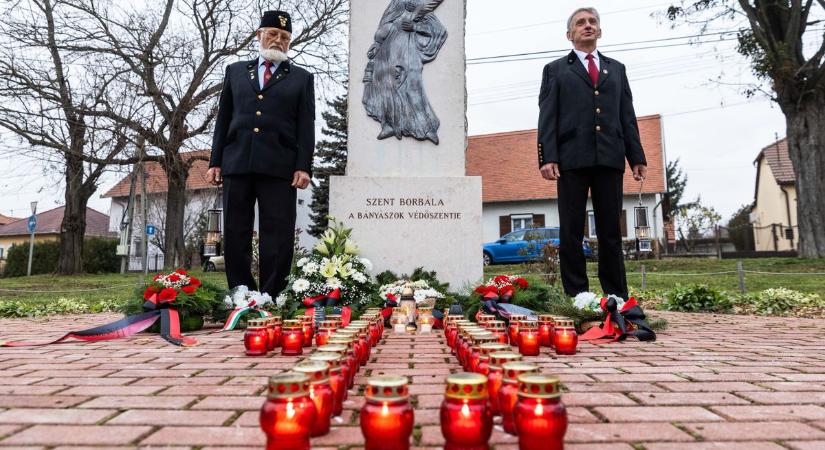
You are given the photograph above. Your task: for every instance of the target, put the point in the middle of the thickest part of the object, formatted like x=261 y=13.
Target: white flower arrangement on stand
x=589 y=301
x=242 y=297
x=421 y=290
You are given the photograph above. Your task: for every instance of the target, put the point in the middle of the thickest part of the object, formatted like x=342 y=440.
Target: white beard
x=270 y=54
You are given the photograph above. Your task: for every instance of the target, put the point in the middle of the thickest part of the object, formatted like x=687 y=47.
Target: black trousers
x=605 y=187
x=276 y=230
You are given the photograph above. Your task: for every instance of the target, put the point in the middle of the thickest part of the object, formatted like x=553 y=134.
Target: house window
x=1 y=253
x=521 y=221
x=591 y=224
x=300 y=201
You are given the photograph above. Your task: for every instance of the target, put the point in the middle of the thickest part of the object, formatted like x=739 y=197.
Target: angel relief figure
x=408 y=37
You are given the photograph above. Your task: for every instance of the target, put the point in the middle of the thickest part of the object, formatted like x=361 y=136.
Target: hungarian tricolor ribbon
x=315 y=306
x=153 y=308
x=631 y=313
x=237 y=313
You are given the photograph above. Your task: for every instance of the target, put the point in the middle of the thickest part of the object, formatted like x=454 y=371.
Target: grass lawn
x=664 y=274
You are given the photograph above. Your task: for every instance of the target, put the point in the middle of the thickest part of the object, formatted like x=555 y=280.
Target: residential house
x=515 y=196
x=773 y=216
x=47 y=229
x=201 y=197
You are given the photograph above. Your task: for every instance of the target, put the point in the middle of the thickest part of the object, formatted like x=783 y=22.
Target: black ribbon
x=634 y=315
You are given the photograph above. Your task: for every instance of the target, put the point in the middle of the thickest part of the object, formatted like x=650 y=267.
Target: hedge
x=98 y=257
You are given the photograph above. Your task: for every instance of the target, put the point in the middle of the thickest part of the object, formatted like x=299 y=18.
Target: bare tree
x=45 y=93
x=172 y=54
x=774 y=34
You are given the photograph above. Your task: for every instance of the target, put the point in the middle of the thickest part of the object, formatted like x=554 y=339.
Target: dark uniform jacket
x=269 y=131
x=581 y=125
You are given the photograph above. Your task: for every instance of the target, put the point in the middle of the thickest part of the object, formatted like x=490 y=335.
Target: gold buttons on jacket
x=257 y=130
x=598 y=128
x=257 y=113
x=596 y=92
x=260 y=97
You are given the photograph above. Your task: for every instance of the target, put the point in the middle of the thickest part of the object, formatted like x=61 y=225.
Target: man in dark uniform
x=587 y=128
x=262 y=151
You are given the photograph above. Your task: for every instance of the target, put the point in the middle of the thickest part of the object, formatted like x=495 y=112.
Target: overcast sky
x=709 y=125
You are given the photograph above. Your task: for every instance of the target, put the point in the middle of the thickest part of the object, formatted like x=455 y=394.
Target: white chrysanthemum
x=301 y=262
x=333 y=283
x=367 y=264
x=300 y=285
x=280 y=300
x=359 y=277
x=228 y=301
x=584 y=300
x=310 y=268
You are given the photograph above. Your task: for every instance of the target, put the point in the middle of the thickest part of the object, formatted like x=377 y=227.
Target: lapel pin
x=604 y=71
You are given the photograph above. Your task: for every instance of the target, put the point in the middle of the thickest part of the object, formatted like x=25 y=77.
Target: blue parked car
x=525 y=245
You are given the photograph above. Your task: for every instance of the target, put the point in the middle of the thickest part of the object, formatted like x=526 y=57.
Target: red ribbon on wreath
x=631 y=313
x=329 y=299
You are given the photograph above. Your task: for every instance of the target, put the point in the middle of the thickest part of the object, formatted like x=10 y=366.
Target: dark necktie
x=267 y=71
x=592 y=69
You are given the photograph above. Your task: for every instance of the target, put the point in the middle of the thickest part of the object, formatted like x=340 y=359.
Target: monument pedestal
x=402 y=223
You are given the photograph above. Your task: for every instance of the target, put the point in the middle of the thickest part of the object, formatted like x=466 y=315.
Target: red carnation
x=149 y=292
x=189 y=289
x=182 y=272
x=501 y=279
x=168 y=295
x=506 y=288
x=391 y=297
x=194 y=282
x=491 y=290
x=481 y=289
x=157 y=277
x=174 y=277
x=521 y=282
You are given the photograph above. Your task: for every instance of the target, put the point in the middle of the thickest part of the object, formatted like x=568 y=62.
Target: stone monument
x=405 y=193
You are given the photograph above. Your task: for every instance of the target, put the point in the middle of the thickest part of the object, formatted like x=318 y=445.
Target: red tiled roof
x=156 y=179
x=779 y=161
x=509 y=171
x=6 y=219
x=48 y=222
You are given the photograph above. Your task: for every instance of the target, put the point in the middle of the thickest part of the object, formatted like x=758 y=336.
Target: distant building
x=48 y=229
x=774 y=211
x=515 y=196
x=200 y=198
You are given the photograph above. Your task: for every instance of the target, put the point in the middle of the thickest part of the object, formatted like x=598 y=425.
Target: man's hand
x=639 y=172
x=213 y=176
x=550 y=171
x=300 y=180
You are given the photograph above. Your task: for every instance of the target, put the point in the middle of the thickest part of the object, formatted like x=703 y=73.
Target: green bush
x=15 y=308
x=697 y=298
x=44 y=259
x=778 y=301
x=99 y=255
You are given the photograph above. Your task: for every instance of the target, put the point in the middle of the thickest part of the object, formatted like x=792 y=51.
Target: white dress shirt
x=583 y=58
x=262 y=67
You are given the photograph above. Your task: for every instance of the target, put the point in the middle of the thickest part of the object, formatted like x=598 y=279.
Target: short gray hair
x=590 y=9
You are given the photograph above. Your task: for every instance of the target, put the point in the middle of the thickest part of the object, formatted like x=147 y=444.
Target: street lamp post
x=31 y=239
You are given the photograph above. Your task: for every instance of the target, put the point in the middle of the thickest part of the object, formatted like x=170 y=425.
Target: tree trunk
x=176 y=174
x=806 y=146
x=73 y=227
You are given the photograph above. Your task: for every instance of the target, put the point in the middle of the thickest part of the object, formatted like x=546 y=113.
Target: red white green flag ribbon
x=237 y=313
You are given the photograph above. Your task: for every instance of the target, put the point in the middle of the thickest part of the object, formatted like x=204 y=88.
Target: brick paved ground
x=710 y=382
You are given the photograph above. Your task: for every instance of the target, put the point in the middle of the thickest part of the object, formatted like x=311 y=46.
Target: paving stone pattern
x=710 y=382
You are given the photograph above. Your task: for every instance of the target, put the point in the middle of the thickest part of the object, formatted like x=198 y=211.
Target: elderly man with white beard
x=262 y=151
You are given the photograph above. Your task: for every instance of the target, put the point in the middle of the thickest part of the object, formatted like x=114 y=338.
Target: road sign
x=32 y=223
x=150 y=230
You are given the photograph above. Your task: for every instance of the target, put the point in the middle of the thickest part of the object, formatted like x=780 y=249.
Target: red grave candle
x=545 y=327
x=255 y=337
x=357 y=346
x=337 y=382
x=565 y=338
x=349 y=362
x=508 y=394
x=528 y=338
x=292 y=339
x=466 y=420
x=320 y=392
x=485 y=349
x=274 y=330
x=495 y=377
x=362 y=329
x=478 y=339
x=308 y=329
x=512 y=330
x=339 y=350
x=499 y=330
x=288 y=413
x=541 y=419
x=325 y=330
x=387 y=416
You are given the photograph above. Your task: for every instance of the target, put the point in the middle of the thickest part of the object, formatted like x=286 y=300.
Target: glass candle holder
x=484 y=319
x=565 y=338
x=288 y=413
x=545 y=327
x=452 y=334
x=541 y=419
x=292 y=339
x=337 y=382
x=484 y=337
x=508 y=394
x=362 y=329
x=512 y=329
x=425 y=320
x=325 y=330
x=320 y=392
x=307 y=322
x=387 y=416
x=274 y=328
x=350 y=363
x=499 y=330
x=449 y=321
x=528 y=338
x=495 y=375
x=466 y=343
x=339 y=321
x=341 y=351
x=373 y=333
x=359 y=346
x=466 y=420
x=485 y=349
x=255 y=338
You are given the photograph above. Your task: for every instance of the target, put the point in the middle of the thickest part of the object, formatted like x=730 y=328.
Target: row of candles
x=301 y=403
x=528 y=402
x=292 y=336
x=557 y=332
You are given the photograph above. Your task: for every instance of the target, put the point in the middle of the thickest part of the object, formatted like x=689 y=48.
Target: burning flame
x=384 y=409
x=539 y=409
x=290 y=410
x=465 y=410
